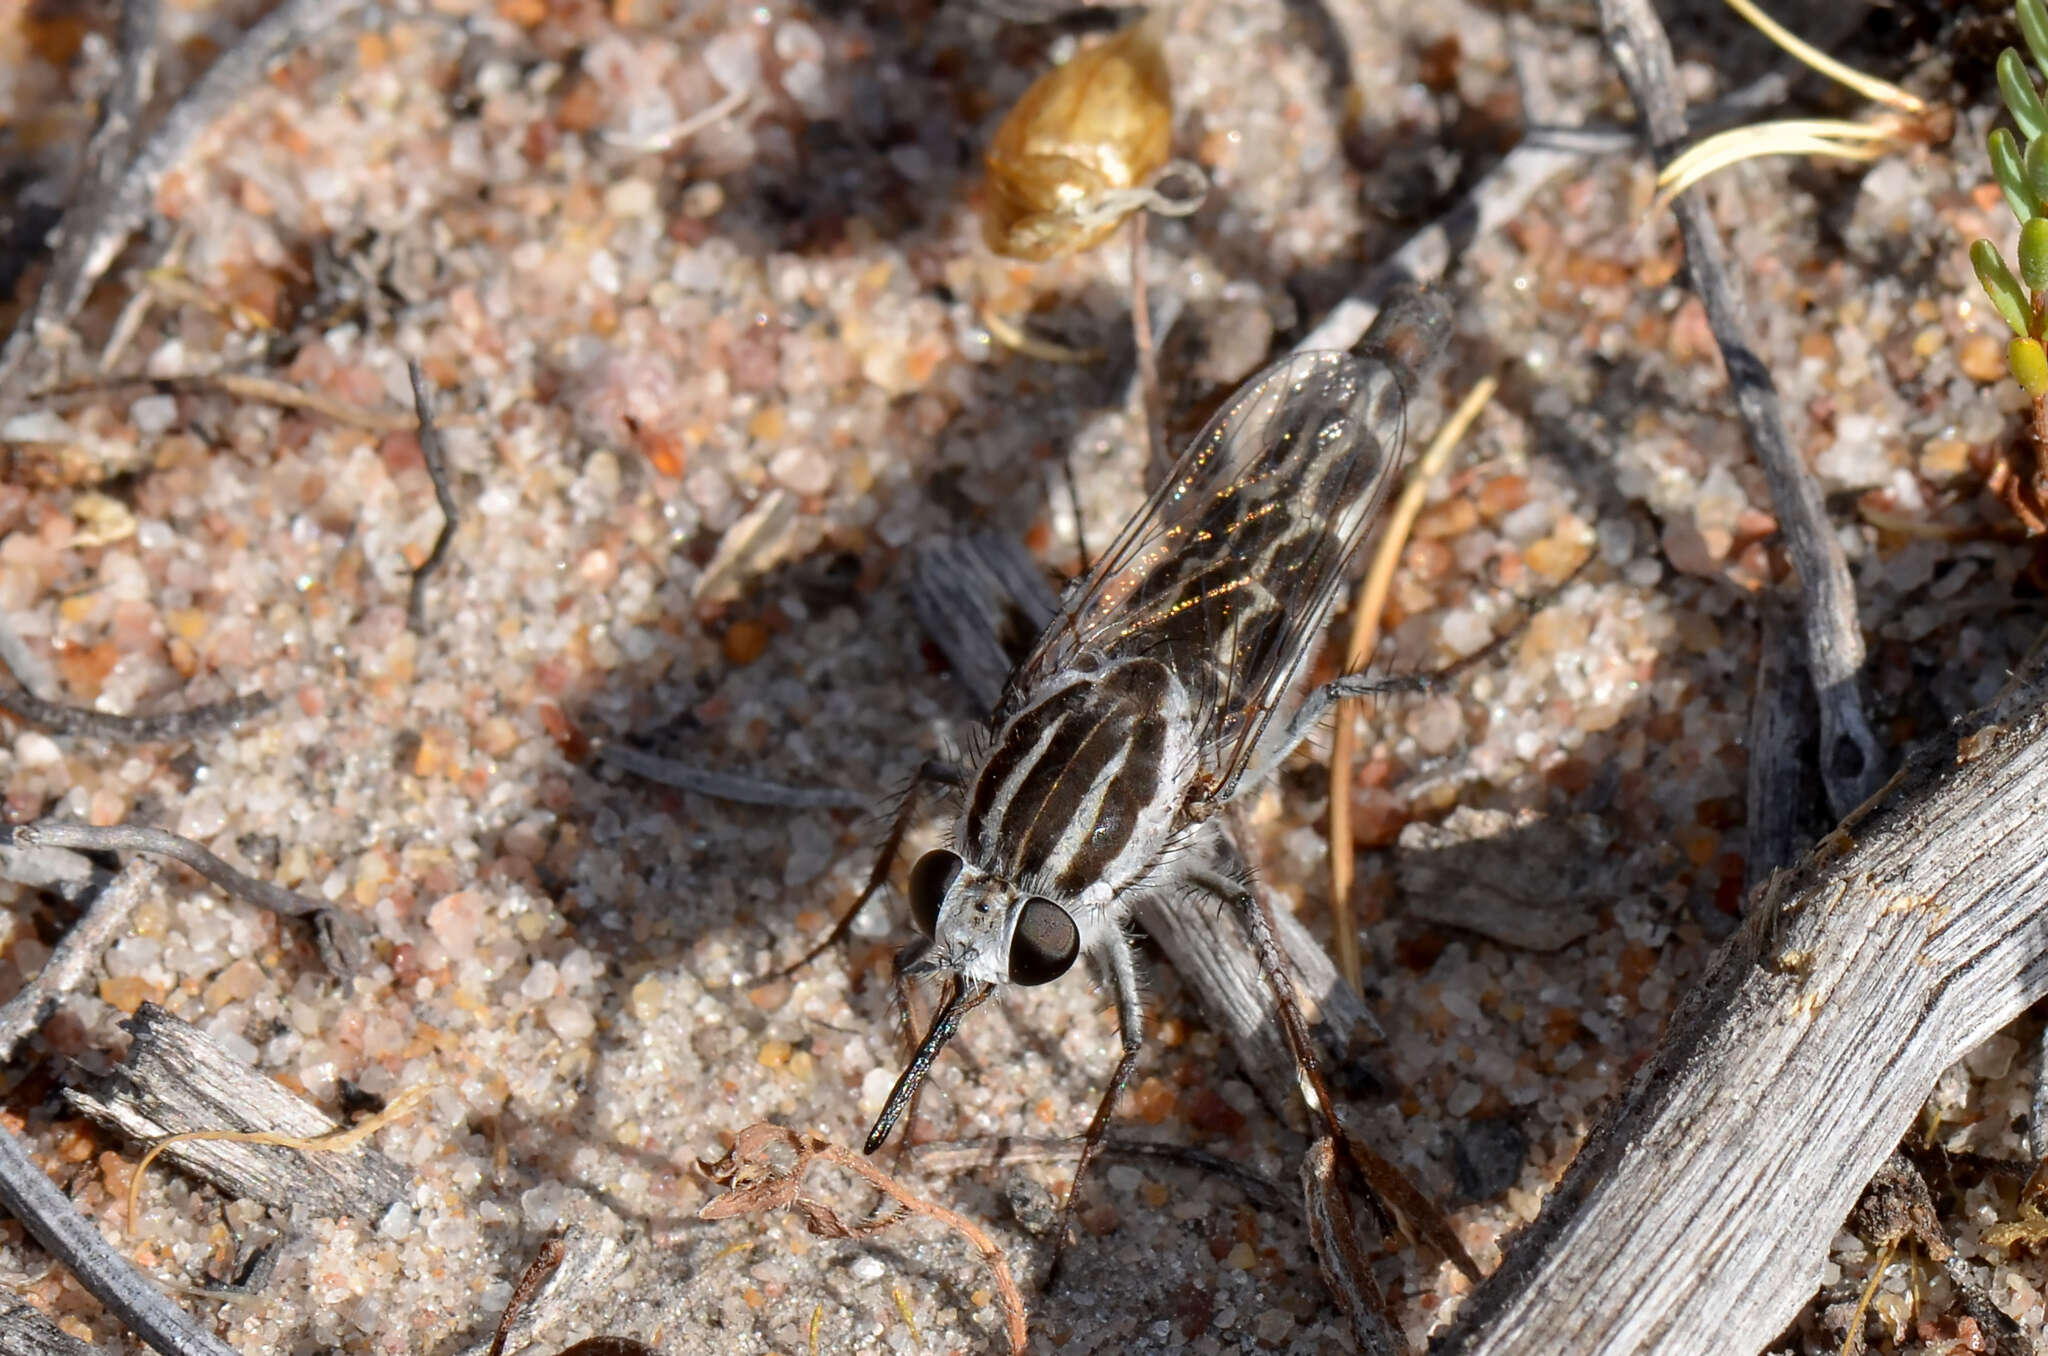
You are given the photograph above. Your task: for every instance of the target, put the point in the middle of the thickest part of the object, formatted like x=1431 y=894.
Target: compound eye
x=1045 y=943
x=929 y=880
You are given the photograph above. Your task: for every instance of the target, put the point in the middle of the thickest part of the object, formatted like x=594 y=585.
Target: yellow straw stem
x=1869 y=86
x=1365 y=632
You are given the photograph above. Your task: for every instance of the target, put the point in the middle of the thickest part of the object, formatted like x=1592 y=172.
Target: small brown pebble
x=435 y=755
x=582 y=106
x=573 y=743
x=1943 y=458
x=1208 y=1111
x=770 y=996
x=239 y=981
x=1982 y=358
x=497 y=737
x=1502 y=495
x=128 y=992
x=1152 y=1101
x=1377 y=817
x=745 y=641
x=1556 y=556
x=1427 y=559
x=1452 y=518
x=77 y=1144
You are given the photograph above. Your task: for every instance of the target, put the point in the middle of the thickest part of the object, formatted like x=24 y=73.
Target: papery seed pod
x=1071 y=160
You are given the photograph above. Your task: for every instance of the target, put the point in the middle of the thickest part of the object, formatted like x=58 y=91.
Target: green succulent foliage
x=2022 y=174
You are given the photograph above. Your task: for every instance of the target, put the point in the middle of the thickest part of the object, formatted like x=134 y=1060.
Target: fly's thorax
x=1082 y=787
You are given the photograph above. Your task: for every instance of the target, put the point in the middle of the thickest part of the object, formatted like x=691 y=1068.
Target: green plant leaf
x=2010 y=170
x=2007 y=298
x=2029 y=365
x=2034 y=160
x=2033 y=15
x=2022 y=100
x=2034 y=254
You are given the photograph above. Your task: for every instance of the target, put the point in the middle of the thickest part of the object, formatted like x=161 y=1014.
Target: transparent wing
x=1228 y=571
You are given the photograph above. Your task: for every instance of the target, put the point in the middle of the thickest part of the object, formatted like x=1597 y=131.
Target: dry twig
x=242 y=386
x=725 y=785
x=1006 y=1150
x=754 y=1183
x=437 y=472
x=28 y=1194
x=126 y=169
x=1783 y=799
x=335 y=935
x=1851 y=764
x=76 y=955
x=138 y=838
x=82 y=722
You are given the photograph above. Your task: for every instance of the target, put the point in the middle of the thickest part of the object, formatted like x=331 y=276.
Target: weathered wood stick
x=176 y=1078
x=26 y=1331
x=1696 y=1219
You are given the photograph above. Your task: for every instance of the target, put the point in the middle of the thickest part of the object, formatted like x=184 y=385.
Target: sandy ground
x=705 y=383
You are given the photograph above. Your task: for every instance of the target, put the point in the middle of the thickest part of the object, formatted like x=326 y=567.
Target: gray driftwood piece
x=26 y=1331
x=176 y=1078
x=981 y=599
x=1697 y=1217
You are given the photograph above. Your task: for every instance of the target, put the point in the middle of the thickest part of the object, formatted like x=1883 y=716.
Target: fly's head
x=983 y=928
x=981 y=931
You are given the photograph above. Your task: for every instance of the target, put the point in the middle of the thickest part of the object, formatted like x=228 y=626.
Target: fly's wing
x=1228 y=571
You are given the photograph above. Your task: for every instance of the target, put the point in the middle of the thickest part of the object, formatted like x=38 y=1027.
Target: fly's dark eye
x=929 y=880
x=1045 y=943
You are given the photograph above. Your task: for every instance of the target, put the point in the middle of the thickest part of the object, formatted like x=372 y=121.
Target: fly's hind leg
x=930 y=772
x=1414 y=1212
x=1130 y=1020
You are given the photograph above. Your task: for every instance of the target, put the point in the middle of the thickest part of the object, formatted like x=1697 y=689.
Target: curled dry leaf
x=755 y=1181
x=1073 y=158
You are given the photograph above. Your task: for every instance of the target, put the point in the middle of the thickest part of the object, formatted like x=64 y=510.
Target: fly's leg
x=1333 y=1236
x=1416 y=1214
x=1317 y=704
x=930 y=772
x=1130 y=1020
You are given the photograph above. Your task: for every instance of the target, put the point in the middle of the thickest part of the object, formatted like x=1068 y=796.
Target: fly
x=1168 y=684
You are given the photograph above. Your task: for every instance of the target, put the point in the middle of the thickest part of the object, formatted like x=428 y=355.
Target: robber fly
x=1167 y=685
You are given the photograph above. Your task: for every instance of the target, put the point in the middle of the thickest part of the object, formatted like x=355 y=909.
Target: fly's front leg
x=1130 y=1020
x=932 y=771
